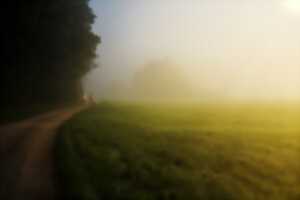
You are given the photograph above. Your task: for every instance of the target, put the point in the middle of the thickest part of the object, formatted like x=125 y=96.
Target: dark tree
x=47 y=46
x=161 y=80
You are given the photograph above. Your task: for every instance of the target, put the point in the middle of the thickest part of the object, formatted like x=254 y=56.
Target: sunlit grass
x=137 y=151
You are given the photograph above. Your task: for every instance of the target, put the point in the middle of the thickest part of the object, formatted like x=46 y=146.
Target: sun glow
x=293 y=6
x=233 y=49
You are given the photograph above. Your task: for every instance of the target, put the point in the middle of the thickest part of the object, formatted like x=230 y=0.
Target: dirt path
x=26 y=157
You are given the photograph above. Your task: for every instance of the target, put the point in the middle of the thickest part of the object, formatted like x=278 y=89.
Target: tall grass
x=213 y=152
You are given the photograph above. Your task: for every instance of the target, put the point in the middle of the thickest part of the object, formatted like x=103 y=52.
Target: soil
x=27 y=168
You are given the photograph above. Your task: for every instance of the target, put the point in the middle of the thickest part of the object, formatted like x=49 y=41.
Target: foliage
x=161 y=80
x=47 y=46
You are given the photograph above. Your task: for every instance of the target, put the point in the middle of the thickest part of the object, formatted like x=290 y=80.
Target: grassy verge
x=123 y=151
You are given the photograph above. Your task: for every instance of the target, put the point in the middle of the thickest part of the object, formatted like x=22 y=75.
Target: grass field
x=187 y=152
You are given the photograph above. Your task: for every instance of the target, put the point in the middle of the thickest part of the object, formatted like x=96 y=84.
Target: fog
x=205 y=49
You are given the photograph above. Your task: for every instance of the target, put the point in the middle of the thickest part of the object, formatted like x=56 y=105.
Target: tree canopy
x=47 y=46
x=161 y=80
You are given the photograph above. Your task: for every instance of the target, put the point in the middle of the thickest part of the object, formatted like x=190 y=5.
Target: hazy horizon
x=234 y=49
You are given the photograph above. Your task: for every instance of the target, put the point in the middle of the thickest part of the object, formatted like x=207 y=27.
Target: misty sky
x=237 y=48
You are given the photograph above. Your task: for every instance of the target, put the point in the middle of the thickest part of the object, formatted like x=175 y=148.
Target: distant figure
x=92 y=100
x=88 y=100
x=85 y=99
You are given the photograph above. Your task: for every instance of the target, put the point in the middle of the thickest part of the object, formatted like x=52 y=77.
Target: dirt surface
x=26 y=156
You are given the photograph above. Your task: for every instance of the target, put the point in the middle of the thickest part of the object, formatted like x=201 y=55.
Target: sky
x=248 y=49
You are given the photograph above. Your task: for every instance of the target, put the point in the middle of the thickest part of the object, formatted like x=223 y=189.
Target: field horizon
x=159 y=151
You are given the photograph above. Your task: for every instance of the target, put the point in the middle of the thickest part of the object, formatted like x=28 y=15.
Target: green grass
x=206 y=152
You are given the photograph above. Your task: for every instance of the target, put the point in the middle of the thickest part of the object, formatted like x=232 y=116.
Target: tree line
x=47 y=47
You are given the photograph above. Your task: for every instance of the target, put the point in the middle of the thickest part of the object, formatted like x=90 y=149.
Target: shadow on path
x=26 y=156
